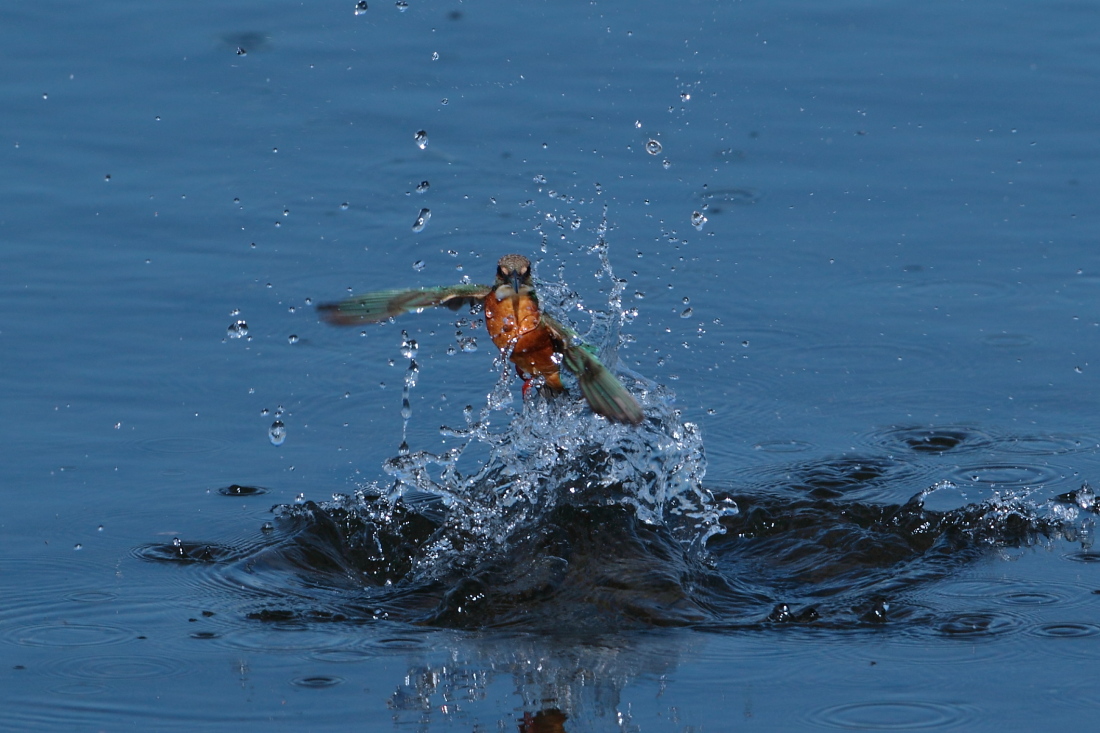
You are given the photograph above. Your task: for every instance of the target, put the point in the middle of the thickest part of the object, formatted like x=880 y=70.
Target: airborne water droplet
x=421 y=220
x=653 y=147
x=361 y=7
x=277 y=433
x=421 y=138
x=418 y=265
x=237 y=329
x=293 y=338
x=698 y=220
x=423 y=187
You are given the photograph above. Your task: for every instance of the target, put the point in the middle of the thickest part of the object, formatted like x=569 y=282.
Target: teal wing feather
x=384 y=304
x=605 y=394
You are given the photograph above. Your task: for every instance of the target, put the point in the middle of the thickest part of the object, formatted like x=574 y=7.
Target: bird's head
x=514 y=270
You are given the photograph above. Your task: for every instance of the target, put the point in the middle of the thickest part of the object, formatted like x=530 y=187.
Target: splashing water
x=554 y=451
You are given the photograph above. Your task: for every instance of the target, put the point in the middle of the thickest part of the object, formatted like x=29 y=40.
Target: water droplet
x=293 y=338
x=435 y=55
x=241 y=51
x=666 y=164
x=107 y=177
x=638 y=295
x=277 y=433
x=468 y=344
x=424 y=186
x=267 y=527
x=637 y=124
x=698 y=220
x=653 y=147
x=686 y=313
x=421 y=138
x=540 y=179
x=344 y=206
x=422 y=220
x=300 y=499
x=418 y=265
x=402 y=6
x=361 y=7
x=237 y=329
x=685 y=97
x=78 y=546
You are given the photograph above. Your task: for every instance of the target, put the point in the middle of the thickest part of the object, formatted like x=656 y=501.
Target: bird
x=532 y=339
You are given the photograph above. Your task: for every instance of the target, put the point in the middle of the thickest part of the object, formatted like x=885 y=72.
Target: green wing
x=383 y=304
x=605 y=394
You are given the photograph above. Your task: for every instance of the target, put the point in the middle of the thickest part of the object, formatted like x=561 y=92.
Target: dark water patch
x=316 y=682
x=238 y=490
x=719 y=200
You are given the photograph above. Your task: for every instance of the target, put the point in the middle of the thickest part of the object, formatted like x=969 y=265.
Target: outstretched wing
x=605 y=394
x=378 y=306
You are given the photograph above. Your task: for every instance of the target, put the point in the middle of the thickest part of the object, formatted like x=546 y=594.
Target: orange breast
x=515 y=324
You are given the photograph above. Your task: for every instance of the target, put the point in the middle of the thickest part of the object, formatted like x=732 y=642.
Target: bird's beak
x=514 y=277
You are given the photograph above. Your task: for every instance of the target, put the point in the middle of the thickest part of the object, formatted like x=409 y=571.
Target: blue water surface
x=858 y=246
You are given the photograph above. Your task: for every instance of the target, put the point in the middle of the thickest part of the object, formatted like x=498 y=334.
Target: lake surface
x=844 y=254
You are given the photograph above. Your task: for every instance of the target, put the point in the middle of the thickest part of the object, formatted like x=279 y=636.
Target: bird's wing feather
x=605 y=394
x=383 y=304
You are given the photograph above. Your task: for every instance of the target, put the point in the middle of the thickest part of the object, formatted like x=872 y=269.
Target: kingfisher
x=533 y=340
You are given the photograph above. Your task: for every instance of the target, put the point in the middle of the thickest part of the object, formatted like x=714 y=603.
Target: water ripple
x=894 y=715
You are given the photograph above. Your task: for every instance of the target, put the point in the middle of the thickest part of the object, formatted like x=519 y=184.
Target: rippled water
x=844 y=254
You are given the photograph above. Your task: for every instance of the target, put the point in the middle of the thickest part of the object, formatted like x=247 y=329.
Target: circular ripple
x=931 y=439
x=892 y=716
x=316 y=682
x=181 y=446
x=1016 y=592
x=63 y=635
x=274 y=639
x=976 y=625
x=1032 y=598
x=783 y=446
x=1007 y=340
x=1085 y=557
x=1049 y=445
x=1066 y=630
x=91 y=596
x=395 y=644
x=341 y=656
x=1015 y=475
x=186 y=552
x=116 y=667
